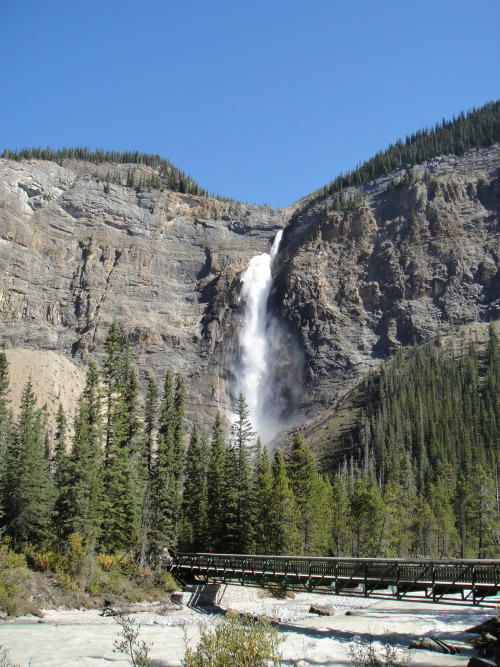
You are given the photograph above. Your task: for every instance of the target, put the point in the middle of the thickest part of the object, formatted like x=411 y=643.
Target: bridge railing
x=434 y=579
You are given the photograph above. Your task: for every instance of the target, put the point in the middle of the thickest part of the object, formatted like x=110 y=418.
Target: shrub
x=46 y=561
x=165 y=580
x=8 y=558
x=5 y=659
x=130 y=644
x=66 y=581
x=279 y=591
x=237 y=640
x=107 y=562
x=365 y=654
x=76 y=554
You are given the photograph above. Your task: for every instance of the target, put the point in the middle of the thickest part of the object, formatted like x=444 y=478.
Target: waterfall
x=254 y=344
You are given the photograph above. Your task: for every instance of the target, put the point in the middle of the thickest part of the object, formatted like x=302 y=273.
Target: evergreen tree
x=263 y=499
x=341 y=521
x=309 y=491
x=121 y=495
x=178 y=425
x=367 y=515
x=216 y=487
x=483 y=527
x=396 y=524
x=5 y=413
x=462 y=511
x=285 y=538
x=194 y=525
x=60 y=435
x=145 y=468
x=239 y=508
x=79 y=479
x=165 y=500
x=25 y=489
x=150 y=409
x=440 y=497
x=422 y=526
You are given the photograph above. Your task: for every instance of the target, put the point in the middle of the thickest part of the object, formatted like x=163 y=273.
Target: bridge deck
x=434 y=580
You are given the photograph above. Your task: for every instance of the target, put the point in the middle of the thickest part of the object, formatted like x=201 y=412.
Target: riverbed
x=72 y=637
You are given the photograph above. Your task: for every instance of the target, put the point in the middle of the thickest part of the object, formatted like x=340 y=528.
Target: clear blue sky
x=263 y=101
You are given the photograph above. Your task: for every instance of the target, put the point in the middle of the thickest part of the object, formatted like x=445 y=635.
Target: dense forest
x=476 y=128
x=416 y=475
x=426 y=438
x=167 y=174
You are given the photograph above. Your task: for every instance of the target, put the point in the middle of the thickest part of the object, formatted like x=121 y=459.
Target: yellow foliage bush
x=9 y=559
x=108 y=562
x=46 y=561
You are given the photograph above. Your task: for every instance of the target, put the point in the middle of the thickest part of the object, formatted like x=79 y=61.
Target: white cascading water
x=253 y=372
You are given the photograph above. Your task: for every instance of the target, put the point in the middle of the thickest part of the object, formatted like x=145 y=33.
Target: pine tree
x=239 y=514
x=150 y=409
x=60 y=435
x=121 y=495
x=5 y=413
x=422 y=525
x=194 y=525
x=165 y=500
x=78 y=476
x=216 y=487
x=145 y=468
x=483 y=528
x=178 y=425
x=341 y=520
x=309 y=491
x=25 y=489
x=263 y=499
x=283 y=523
x=367 y=514
x=440 y=497
x=396 y=522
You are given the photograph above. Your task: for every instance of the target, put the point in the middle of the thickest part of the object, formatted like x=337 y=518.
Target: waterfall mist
x=261 y=341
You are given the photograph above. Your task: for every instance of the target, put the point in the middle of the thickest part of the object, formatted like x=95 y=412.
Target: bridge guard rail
x=435 y=580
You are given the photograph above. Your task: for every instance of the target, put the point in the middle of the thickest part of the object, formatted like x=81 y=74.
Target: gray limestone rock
x=350 y=287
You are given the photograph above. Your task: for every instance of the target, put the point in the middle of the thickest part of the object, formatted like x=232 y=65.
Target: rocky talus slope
x=350 y=286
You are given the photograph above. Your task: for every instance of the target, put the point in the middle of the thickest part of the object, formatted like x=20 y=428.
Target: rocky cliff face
x=165 y=265
x=423 y=250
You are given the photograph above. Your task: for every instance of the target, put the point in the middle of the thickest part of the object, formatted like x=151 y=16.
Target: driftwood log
x=138 y=609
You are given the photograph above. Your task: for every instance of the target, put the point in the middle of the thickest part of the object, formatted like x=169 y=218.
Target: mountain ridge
x=351 y=283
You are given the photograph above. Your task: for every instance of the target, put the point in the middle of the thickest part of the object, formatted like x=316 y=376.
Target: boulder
x=491 y=626
x=481 y=662
x=436 y=645
x=321 y=610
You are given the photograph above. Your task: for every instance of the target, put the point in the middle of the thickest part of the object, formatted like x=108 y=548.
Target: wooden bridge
x=457 y=581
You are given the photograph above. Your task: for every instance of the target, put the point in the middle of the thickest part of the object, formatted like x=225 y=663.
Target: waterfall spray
x=253 y=372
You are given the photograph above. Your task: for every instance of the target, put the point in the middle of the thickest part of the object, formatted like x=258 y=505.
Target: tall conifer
x=79 y=478
x=285 y=515
x=309 y=491
x=216 y=487
x=25 y=489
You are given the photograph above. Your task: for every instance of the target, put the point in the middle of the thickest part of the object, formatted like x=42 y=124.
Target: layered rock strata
x=77 y=250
